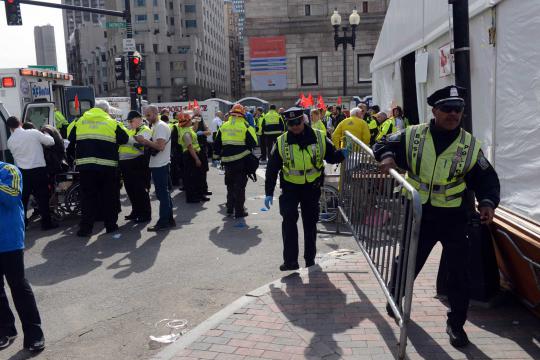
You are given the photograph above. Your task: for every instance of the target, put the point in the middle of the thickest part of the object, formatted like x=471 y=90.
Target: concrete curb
x=171 y=350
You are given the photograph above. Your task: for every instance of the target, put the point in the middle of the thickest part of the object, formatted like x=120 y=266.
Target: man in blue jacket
x=12 y=265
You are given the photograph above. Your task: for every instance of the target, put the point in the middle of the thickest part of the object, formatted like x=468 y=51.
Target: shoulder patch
x=482 y=161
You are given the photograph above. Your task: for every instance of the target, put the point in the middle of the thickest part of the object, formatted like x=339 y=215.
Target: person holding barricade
x=443 y=162
x=298 y=157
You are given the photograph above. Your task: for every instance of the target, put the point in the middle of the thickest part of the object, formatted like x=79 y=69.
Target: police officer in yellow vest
x=298 y=157
x=271 y=126
x=395 y=123
x=194 y=170
x=61 y=123
x=235 y=140
x=135 y=170
x=442 y=162
x=96 y=138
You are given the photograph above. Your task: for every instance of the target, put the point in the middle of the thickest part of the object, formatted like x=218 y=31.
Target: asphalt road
x=100 y=297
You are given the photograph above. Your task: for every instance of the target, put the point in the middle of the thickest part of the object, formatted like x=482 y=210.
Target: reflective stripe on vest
x=439 y=179
x=194 y=142
x=302 y=166
x=132 y=151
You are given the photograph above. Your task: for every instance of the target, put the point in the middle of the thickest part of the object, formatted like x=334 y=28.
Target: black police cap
x=133 y=114
x=293 y=113
x=447 y=94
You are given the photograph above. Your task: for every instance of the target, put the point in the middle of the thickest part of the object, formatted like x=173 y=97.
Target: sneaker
x=5 y=341
x=36 y=346
x=289 y=267
x=458 y=337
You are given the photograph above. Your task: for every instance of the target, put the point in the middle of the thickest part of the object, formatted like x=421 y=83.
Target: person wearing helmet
x=234 y=142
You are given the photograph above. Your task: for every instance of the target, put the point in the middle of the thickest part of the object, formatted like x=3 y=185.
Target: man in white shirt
x=26 y=146
x=160 y=147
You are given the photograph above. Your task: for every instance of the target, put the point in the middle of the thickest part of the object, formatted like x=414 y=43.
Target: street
x=99 y=298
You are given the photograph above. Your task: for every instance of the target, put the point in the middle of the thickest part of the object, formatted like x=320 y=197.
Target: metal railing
x=383 y=212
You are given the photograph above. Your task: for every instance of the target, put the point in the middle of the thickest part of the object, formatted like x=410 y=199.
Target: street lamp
x=354 y=21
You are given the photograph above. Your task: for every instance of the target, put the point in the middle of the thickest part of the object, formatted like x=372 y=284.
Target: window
x=158 y=82
x=364 y=75
x=141 y=2
x=183 y=49
x=155 y=3
x=140 y=18
x=190 y=9
x=309 y=70
x=155 y=46
x=156 y=18
x=307 y=10
x=365 y=6
x=140 y=48
x=191 y=24
x=172 y=21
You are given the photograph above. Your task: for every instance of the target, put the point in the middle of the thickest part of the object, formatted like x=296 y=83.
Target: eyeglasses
x=451 y=108
x=294 y=122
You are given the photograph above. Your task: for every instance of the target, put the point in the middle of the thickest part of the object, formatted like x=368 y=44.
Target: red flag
x=302 y=100
x=339 y=101
x=76 y=101
x=195 y=104
x=310 y=101
x=320 y=103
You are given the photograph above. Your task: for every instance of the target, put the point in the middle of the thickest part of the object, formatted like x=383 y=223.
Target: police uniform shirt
x=482 y=179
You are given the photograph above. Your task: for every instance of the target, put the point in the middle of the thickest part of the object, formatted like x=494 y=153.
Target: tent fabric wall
x=517 y=153
x=387 y=87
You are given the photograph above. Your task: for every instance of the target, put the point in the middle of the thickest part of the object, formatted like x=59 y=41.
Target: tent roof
x=412 y=24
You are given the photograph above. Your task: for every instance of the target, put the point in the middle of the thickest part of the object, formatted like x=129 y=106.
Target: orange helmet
x=238 y=110
x=183 y=118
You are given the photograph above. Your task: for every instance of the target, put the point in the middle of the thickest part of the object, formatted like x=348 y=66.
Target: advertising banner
x=268 y=63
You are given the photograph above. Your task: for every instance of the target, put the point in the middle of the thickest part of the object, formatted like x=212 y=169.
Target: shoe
x=143 y=220
x=289 y=267
x=204 y=199
x=389 y=311
x=111 y=229
x=310 y=263
x=36 y=346
x=5 y=341
x=49 y=226
x=208 y=193
x=131 y=217
x=159 y=227
x=84 y=233
x=241 y=215
x=458 y=337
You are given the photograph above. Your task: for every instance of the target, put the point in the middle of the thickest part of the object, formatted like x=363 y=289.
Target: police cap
x=450 y=94
x=133 y=114
x=293 y=113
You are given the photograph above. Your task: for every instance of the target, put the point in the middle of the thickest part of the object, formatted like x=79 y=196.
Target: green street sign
x=43 y=67
x=115 y=25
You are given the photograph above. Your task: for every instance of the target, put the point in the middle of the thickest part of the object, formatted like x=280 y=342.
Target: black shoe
x=111 y=229
x=49 y=226
x=289 y=267
x=310 y=263
x=5 y=341
x=36 y=346
x=204 y=199
x=458 y=337
x=159 y=227
x=84 y=233
x=241 y=215
x=389 y=311
x=131 y=217
x=208 y=193
x=143 y=219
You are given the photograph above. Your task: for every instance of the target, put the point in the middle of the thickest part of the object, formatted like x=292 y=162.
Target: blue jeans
x=160 y=176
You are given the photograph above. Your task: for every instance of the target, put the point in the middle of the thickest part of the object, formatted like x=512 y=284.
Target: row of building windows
x=309 y=69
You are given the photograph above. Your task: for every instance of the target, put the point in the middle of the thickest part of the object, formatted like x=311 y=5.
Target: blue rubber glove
x=345 y=152
x=200 y=133
x=269 y=200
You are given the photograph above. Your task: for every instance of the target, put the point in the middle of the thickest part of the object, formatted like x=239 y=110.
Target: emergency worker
x=298 y=157
x=356 y=125
x=271 y=126
x=235 y=140
x=96 y=137
x=61 y=123
x=443 y=161
x=393 y=124
x=134 y=168
x=316 y=121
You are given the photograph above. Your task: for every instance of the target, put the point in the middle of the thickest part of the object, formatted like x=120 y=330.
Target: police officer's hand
x=269 y=200
x=386 y=164
x=486 y=214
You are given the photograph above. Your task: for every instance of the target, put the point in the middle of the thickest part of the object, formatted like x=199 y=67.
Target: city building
x=72 y=18
x=289 y=48
x=239 y=8
x=45 y=45
x=182 y=43
x=236 y=50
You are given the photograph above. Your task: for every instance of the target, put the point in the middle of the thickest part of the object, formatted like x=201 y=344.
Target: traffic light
x=13 y=12
x=135 y=66
x=213 y=94
x=140 y=90
x=120 y=68
x=185 y=95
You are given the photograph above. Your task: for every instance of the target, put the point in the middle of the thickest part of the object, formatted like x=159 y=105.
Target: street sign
x=129 y=45
x=115 y=25
x=43 y=67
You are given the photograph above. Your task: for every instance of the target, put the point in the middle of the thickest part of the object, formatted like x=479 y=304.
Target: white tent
x=505 y=74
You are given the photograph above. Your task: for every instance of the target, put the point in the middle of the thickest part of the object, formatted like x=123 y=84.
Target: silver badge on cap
x=453 y=92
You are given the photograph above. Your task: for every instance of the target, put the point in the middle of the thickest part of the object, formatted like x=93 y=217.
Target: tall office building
x=74 y=18
x=45 y=45
x=236 y=51
x=239 y=8
x=182 y=42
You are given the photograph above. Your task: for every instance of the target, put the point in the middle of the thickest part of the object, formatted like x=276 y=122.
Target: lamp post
x=354 y=21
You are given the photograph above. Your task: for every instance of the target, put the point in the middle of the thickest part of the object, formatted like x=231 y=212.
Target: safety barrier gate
x=383 y=212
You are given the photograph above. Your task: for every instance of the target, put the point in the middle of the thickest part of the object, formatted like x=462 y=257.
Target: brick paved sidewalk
x=338 y=312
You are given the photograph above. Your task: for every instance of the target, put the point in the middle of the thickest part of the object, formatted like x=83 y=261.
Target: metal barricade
x=383 y=213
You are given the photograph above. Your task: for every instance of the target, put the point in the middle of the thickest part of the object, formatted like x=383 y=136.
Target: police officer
x=235 y=140
x=395 y=123
x=202 y=131
x=61 y=123
x=96 y=137
x=135 y=171
x=299 y=155
x=271 y=126
x=442 y=162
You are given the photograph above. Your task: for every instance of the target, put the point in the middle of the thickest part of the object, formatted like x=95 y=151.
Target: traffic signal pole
x=132 y=83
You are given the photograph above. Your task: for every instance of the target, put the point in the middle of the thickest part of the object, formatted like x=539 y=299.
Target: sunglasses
x=294 y=122
x=451 y=108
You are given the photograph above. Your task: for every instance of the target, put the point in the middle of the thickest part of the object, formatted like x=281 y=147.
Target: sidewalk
x=337 y=311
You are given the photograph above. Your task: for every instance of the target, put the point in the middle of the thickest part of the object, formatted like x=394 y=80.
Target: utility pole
x=132 y=83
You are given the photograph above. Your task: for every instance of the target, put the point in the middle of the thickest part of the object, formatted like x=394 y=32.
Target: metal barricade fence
x=383 y=213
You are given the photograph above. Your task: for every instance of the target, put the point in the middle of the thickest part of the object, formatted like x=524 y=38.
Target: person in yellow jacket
x=393 y=124
x=61 y=123
x=356 y=125
x=271 y=126
x=316 y=121
x=135 y=170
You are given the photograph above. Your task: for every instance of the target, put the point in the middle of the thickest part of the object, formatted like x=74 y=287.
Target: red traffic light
x=136 y=60
x=10 y=1
x=139 y=90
